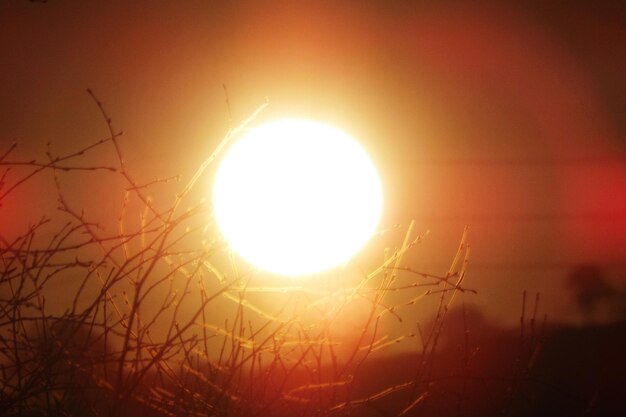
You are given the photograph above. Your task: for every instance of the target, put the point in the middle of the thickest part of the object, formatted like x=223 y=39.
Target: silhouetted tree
x=591 y=289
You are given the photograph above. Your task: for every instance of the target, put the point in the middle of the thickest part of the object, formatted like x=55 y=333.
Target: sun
x=296 y=197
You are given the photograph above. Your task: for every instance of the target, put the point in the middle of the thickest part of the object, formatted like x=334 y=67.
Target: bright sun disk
x=296 y=197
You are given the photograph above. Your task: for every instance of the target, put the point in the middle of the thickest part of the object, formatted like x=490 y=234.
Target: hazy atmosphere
x=505 y=117
x=508 y=119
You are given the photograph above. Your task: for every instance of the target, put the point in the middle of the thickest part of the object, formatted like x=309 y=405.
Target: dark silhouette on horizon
x=595 y=296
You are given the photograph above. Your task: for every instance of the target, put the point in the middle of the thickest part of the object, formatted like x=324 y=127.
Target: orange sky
x=505 y=118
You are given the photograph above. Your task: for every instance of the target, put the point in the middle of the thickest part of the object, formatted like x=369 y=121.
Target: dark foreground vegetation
x=573 y=371
x=479 y=369
x=147 y=313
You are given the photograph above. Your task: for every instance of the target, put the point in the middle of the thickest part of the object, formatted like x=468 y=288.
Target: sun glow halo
x=295 y=197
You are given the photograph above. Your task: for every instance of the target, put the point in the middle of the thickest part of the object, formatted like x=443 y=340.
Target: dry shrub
x=151 y=314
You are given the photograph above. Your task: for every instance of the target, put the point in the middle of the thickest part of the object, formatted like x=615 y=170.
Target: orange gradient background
x=506 y=118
